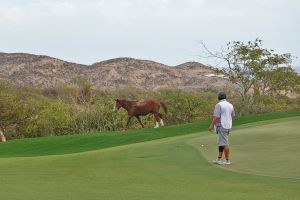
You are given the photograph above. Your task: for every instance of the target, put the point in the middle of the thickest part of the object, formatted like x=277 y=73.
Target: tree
x=255 y=69
x=280 y=81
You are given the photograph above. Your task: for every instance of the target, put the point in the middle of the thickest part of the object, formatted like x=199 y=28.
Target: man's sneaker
x=226 y=162
x=221 y=162
x=216 y=160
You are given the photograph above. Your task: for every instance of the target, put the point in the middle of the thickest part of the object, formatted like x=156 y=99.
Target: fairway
x=264 y=155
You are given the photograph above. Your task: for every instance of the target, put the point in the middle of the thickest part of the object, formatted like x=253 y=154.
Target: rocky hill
x=45 y=71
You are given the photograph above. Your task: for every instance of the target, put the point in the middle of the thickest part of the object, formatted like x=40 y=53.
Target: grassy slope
x=161 y=169
x=81 y=143
x=264 y=149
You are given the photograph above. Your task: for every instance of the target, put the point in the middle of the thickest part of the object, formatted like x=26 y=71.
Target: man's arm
x=216 y=116
x=233 y=115
x=214 y=121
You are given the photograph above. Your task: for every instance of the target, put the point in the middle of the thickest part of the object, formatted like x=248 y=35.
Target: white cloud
x=165 y=30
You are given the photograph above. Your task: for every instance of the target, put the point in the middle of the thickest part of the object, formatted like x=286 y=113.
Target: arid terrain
x=45 y=71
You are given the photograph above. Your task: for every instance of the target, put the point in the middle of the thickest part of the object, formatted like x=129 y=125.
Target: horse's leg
x=156 y=119
x=128 y=120
x=139 y=119
x=161 y=120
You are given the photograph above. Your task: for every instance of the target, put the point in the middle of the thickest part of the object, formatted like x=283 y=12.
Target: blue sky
x=167 y=31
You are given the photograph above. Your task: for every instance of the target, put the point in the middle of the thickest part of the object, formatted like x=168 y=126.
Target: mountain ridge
x=45 y=71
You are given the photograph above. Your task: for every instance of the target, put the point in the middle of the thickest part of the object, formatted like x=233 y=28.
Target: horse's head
x=117 y=105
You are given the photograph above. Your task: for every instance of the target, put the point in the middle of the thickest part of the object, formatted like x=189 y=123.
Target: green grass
x=263 y=149
x=87 y=142
x=169 y=168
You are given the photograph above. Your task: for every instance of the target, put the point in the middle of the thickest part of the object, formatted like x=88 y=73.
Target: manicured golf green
x=264 y=149
x=264 y=156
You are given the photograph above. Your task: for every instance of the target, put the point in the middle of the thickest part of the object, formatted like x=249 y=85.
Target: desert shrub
x=33 y=112
x=185 y=107
x=25 y=113
x=51 y=118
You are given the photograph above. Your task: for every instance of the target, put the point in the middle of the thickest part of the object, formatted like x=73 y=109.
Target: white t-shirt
x=224 y=111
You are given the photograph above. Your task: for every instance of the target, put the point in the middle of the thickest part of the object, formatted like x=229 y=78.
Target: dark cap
x=221 y=95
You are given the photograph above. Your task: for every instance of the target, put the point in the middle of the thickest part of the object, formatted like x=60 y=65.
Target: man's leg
x=219 y=159
x=221 y=149
x=223 y=141
x=226 y=152
x=224 y=136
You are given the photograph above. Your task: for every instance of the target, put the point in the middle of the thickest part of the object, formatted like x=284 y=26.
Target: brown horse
x=137 y=109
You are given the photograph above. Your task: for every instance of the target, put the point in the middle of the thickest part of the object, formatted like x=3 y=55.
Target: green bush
x=51 y=118
x=33 y=112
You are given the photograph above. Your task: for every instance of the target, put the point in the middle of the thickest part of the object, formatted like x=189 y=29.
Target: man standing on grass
x=222 y=121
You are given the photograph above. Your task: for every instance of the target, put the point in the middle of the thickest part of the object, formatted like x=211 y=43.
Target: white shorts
x=222 y=136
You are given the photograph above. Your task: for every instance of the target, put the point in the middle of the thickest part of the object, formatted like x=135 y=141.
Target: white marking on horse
x=161 y=122
x=157 y=125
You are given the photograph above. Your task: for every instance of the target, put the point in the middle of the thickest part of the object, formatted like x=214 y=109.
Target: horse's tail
x=164 y=106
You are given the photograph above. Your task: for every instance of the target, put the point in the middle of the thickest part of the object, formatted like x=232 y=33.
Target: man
x=222 y=121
